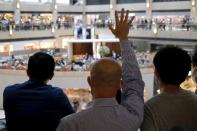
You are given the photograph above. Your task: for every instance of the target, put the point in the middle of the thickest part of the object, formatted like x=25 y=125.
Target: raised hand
x=121 y=29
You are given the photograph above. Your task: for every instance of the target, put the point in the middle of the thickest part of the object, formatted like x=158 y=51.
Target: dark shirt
x=196 y=92
x=32 y=106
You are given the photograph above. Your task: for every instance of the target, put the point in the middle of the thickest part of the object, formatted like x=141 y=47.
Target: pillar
x=194 y=10
x=149 y=5
x=84 y=13
x=17 y=12
x=94 y=46
x=70 y=51
x=54 y=11
x=112 y=9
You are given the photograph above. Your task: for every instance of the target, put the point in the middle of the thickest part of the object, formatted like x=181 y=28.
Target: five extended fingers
x=123 y=19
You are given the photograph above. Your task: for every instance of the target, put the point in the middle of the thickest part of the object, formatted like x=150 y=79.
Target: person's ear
x=157 y=74
x=89 y=81
x=51 y=76
x=121 y=84
x=28 y=73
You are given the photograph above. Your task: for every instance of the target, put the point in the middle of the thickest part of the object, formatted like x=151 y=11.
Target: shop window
x=97 y=2
x=129 y=1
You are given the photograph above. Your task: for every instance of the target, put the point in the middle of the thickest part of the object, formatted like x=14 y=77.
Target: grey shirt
x=106 y=114
x=167 y=111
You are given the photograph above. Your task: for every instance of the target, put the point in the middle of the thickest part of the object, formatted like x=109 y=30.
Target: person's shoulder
x=13 y=87
x=154 y=103
x=54 y=88
x=164 y=98
x=77 y=117
x=56 y=91
x=191 y=95
x=154 y=100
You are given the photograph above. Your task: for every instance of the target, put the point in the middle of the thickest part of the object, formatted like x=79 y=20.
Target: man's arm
x=133 y=90
x=132 y=96
x=64 y=104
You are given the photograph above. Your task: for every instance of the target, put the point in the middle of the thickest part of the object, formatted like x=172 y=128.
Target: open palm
x=121 y=29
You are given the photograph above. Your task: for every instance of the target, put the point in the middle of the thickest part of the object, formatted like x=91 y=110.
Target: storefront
x=69 y=20
x=35 y=21
x=6 y=19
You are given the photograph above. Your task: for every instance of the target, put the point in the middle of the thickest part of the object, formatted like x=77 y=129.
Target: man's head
x=172 y=65
x=41 y=67
x=105 y=78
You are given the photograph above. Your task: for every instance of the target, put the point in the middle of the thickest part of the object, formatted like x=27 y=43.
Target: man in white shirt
x=104 y=113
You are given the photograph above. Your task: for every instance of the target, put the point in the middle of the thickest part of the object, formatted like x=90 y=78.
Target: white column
x=149 y=4
x=194 y=10
x=84 y=13
x=112 y=7
x=17 y=12
x=54 y=11
x=70 y=51
x=94 y=46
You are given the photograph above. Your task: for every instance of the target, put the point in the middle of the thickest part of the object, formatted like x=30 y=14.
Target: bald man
x=104 y=113
x=105 y=77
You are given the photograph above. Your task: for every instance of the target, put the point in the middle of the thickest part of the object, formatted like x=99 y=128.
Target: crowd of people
x=165 y=24
x=35 y=23
x=117 y=93
x=65 y=21
x=80 y=63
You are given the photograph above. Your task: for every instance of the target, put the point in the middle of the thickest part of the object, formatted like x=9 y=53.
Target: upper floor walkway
x=180 y=34
x=135 y=7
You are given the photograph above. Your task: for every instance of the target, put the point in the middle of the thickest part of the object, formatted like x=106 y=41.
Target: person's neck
x=103 y=92
x=102 y=97
x=39 y=81
x=166 y=88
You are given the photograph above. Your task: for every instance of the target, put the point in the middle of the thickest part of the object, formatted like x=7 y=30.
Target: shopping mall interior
x=75 y=33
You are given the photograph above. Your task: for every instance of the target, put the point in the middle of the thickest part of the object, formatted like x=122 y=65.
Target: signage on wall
x=84 y=33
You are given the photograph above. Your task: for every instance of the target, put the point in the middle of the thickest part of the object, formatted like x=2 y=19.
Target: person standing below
x=194 y=68
x=34 y=105
x=104 y=113
x=174 y=108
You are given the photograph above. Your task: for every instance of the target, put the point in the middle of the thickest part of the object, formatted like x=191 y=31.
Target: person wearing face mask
x=194 y=68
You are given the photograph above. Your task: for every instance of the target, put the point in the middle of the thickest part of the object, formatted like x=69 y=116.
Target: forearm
x=132 y=96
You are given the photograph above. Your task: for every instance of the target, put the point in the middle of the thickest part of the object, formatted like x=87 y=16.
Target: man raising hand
x=104 y=113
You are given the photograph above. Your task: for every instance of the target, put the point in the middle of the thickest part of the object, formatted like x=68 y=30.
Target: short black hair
x=173 y=65
x=194 y=59
x=41 y=66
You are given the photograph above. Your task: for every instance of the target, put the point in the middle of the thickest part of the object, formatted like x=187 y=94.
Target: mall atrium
x=75 y=33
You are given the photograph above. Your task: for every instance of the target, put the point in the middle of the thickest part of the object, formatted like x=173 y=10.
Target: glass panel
x=1 y=1
x=70 y=2
x=37 y=1
x=64 y=2
x=129 y=1
x=168 y=0
x=97 y=2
